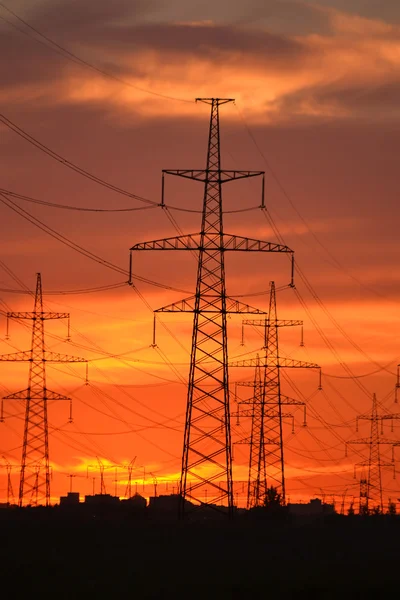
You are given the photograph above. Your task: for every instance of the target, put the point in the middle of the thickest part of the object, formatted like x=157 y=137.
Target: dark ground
x=45 y=553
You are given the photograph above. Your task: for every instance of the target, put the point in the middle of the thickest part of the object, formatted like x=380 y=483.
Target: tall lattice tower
x=206 y=474
x=266 y=442
x=371 y=486
x=34 y=486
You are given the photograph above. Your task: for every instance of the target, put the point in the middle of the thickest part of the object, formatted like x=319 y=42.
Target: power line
x=101 y=288
x=68 y=55
x=60 y=159
x=74 y=246
x=69 y=207
x=336 y=263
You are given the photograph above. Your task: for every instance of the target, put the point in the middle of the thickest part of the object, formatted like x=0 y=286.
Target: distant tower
x=363 y=500
x=371 y=486
x=10 y=491
x=206 y=456
x=34 y=483
x=257 y=476
x=128 y=490
x=268 y=415
x=258 y=442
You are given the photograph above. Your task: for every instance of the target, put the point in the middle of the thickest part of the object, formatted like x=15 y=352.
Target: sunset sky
x=111 y=88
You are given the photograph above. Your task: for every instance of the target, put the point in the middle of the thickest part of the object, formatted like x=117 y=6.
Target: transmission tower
x=206 y=456
x=363 y=497
x=266 y=442
x=371 y=486
x=128 y=490
x=10 y=491
x=257 y=474
x=102 y=482
x=35 y=464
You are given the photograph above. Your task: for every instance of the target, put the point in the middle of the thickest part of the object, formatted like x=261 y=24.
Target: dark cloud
x=385 y=10
x=204 y=41
x=106 y=43
x=72 y=16
x=347 y=100
x=290 y=16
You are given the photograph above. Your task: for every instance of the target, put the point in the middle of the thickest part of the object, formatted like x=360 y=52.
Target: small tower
x=34 y=483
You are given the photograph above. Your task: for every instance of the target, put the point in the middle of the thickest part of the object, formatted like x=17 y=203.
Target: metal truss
x=371 y=486
x=34 y=486
x=266 y=462
x=206 y=473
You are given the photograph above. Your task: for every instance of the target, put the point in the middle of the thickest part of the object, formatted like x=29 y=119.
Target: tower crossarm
x=210 y=306
x=367 y=441
x=376 y=418
x=220 y=176
x=284 y=400
x=266 y=441
x=33 y=316
x=288 y=363
x=267 y=322
x=56 y=357
x=16 y=357
x=226 y=242
x=389 y=417
x=26 y=356
x=268 y=413
x=290 y=401
x=36 y=395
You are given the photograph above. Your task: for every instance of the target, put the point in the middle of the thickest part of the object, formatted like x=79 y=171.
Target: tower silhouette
x=256 y=409
x=128 y=489
x=371 y=485
x=206 y=472
x=34 y=482
x=257 y=474
x=10 y=491
x=266 y=463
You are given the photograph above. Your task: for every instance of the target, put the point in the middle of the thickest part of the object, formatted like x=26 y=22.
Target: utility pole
x=35 y=448
x=266 y=464
x=207 y=449
x=70 y=476
x=371 y=485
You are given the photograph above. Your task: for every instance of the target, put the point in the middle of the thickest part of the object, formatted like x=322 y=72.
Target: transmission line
x=68 y=55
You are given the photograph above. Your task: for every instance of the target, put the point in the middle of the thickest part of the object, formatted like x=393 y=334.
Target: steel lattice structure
x=257 y=477
x=258 y=441
x=257 y=474
x=266 y=462
x=371 y=486
x=206 y=473
x=34 y=486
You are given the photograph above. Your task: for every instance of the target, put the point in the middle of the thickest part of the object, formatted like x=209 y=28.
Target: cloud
x=388 y=11
x=323 y=74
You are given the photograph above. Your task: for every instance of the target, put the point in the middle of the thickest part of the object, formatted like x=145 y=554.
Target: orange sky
x=317 y=86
